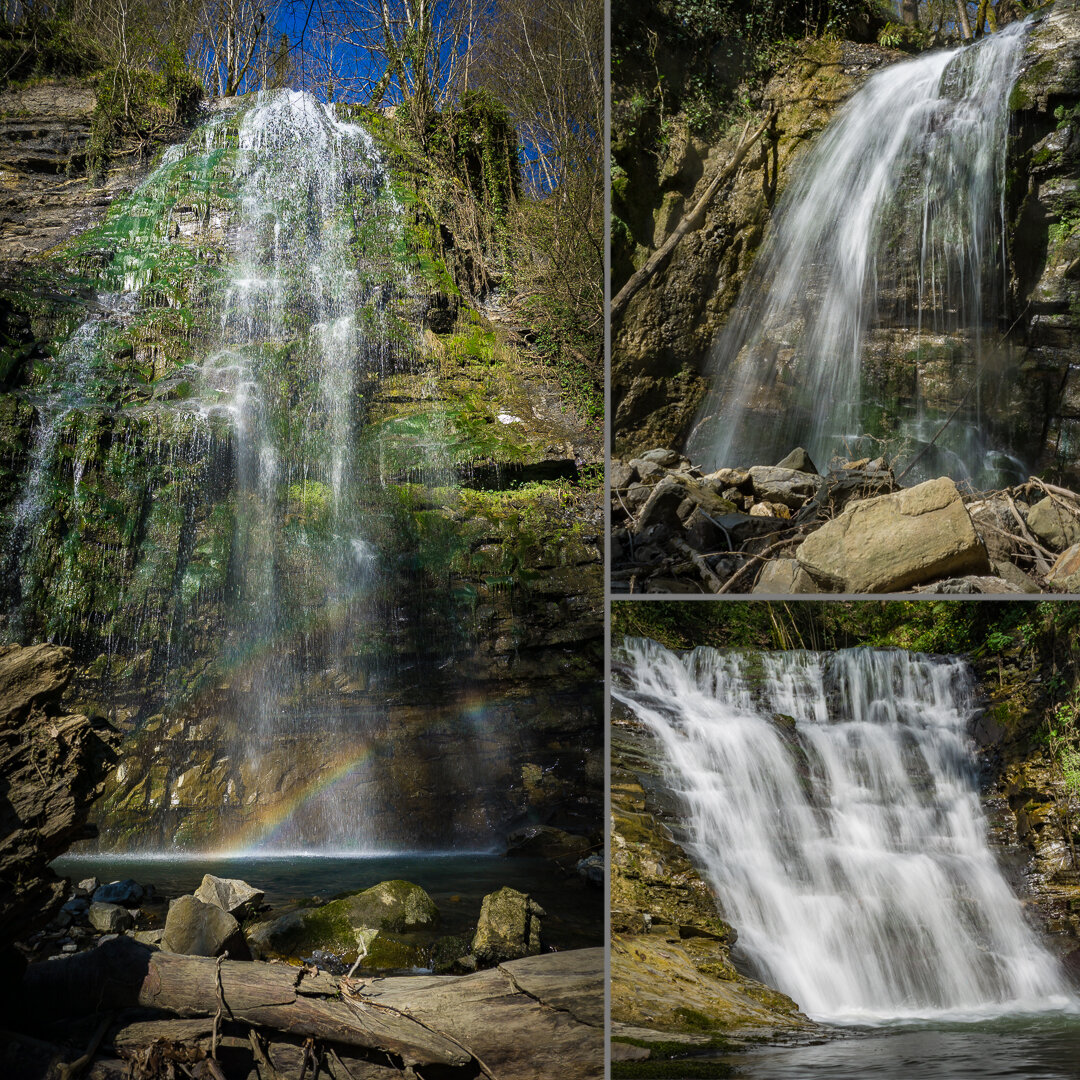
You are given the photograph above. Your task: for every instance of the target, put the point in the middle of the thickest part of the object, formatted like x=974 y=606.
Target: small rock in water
x=230 y=894
x=87 y=887
x=110 y=918
x=508 y=928
x=127 y=892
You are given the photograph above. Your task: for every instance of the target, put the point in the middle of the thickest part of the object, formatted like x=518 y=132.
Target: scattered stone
x=198 y=929
x=668 y=459
x=77 y=906
x=127 y=892
x=110 y=918
x=236 y=897
x=148 y=937
x=893 y=542
x=508 y=928
x=87 y=887
x=788 y=486
x=1053 y=524
x=591 y=868
x=781 y=576
x=1064 y=575
x=799 y=460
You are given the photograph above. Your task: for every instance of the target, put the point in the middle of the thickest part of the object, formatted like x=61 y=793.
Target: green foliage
x=478 y=142
x=46 y=44
x=894 y=35
x=141 y=104
x=694 y=55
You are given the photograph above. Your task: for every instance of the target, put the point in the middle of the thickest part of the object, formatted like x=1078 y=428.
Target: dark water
x=457 y=883
x=1018 y=1048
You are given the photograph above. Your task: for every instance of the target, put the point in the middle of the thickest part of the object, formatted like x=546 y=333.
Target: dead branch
x=660 y=256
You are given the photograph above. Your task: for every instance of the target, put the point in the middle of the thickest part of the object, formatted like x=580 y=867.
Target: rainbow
x=267 y=825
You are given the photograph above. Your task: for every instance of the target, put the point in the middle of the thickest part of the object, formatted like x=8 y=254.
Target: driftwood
x=660 y=256
x=122 y=974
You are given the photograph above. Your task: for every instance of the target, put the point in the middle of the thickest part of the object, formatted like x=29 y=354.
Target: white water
x=846 y=843
x=901 y=197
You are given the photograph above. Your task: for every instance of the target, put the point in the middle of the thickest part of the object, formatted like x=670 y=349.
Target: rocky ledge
x=785 y=528
x=53 y=765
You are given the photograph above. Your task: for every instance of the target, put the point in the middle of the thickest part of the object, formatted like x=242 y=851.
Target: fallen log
x=123 y=974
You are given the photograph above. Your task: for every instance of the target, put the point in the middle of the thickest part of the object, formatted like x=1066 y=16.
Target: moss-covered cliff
x=123 y=513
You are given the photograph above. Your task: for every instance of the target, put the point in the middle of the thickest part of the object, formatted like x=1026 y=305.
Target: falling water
x=891 y=235
x=832 y=799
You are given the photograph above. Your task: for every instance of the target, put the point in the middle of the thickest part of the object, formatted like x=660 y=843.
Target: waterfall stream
x=832 y=800
x=873 y=307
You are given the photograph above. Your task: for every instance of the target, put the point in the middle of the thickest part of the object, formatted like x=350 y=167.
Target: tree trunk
x=962 y=20
x=909 y=12
x=123 y=974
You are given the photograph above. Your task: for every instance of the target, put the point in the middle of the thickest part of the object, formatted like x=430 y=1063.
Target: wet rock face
x=53 y=765
x=660 y=344
x=660 y=348
x=44 y=195
x=671 y=949
x=1043 y=191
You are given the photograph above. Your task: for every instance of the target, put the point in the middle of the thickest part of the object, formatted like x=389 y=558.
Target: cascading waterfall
x=886 y=250
x=833 y=802
x=299 y=310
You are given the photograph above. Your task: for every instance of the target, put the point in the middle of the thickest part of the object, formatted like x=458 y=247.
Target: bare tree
x=234 y=43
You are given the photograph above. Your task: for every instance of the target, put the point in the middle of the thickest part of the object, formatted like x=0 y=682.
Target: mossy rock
x=397 y=906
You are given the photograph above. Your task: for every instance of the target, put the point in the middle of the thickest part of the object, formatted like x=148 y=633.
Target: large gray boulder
x=894 y=542
x=787 y=486
x=236 y=897
x=782 y=576
x=199 y=929
x=1053 y=524
x=110 y=918
x=508 y=928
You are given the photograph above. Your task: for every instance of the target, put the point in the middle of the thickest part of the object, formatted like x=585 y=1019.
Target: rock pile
x=786 y=528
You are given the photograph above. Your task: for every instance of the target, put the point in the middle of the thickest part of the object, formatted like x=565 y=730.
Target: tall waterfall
x=886 y=251
x=832 y=800
x=236 y=532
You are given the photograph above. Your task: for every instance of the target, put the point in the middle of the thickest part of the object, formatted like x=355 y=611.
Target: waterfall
x=832 y=800
x=886 y=251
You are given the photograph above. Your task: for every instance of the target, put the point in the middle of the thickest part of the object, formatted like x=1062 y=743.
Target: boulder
x=1064 y=575
x=110 y=918
x=198 y=929
x=622 y=474
x=87 y=887
x=799 y=460
x=1012 y=573
x=996 y=526
x=128 y=892
x=894 y=542
x=1053 y=524
x=662 y=506
x=781 y=576
x=668 y=459
x=788 y=486
x=508 y=928
x=591 y=868
x=770 y=510
x=236 y=897
x=380 y=923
